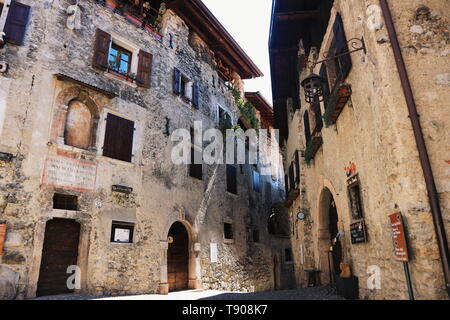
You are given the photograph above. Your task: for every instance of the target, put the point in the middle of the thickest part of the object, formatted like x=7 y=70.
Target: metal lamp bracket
x=355 y=43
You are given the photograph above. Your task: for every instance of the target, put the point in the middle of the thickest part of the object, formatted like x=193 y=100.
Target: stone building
x=357 y=157
x=90 y=93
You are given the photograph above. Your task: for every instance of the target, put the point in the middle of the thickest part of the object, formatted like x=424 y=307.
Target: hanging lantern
x=313 y=85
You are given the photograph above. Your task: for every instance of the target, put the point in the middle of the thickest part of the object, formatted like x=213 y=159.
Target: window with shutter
x=306 y=127
x=195 y=169
x=297 y=167
x=101 y=49
x=231 y=179
x=144 y=69
x=176 y=81
x=256 y=181
x=119 y=134
x=195 y=96
x=286 y=183
x=326 y=84
x=317 y=117
x=345 y=62
x=16 y=23
x=291 y=177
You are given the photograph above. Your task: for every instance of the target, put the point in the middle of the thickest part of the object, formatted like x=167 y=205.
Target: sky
x=248 y=22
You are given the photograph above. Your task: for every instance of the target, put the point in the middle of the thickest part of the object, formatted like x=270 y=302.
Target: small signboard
x=399 y=237
x=358 y=232
x=213 y=247
x=122 y=189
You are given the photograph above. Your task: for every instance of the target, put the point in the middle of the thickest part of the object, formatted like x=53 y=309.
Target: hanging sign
x=358 y=232
x=399 y=237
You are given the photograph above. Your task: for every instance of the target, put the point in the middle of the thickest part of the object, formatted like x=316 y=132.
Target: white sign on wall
x=213 y=252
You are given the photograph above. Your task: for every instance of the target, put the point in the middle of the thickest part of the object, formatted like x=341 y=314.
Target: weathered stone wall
x=375 y=133
x=162 y=192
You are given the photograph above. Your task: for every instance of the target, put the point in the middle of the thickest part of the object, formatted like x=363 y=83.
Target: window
x=354 y=194
x=297 y=167
x=255 y=235
x=65 y=202
x=224 y=118
x=195 y=169
x=228 y=231
x=186 y=89
x=1 y=8
x=16 y=22
x=118 y=138
x=231 y=179
x=119 y=59
x=306 y=127
x=288 y=255
x=122 y=232
x=256 y=181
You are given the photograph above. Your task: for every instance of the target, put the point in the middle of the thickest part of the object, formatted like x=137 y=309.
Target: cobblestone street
x=315 y=293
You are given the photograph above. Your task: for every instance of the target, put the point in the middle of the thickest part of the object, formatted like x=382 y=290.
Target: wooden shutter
x=317 y=117
x=345 y=62
x=307 y=127
x=195 y=96
x=16 y=23
x=297 y=167
x=231 y=179
x=144 y=69
x=176 y=81
x=326 y=83
x=118 y=138
x=101 y=49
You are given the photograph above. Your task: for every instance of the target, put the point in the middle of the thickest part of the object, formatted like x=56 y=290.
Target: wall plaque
x=70 y=173
x=122 y=189
x=213 y=252
x=358 y=232
x=399 y=238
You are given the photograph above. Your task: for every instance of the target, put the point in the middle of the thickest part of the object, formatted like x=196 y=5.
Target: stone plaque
x=70 y=173
x=399 y=238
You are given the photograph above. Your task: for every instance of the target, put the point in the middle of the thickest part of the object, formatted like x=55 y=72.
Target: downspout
x=433 y=196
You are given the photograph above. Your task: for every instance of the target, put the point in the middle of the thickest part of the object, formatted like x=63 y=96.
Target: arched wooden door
x=178 y=258
x=59 y=252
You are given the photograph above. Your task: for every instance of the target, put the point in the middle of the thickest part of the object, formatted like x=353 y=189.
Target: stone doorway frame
x=194 y=272
x=83 y=248
x=326 y=192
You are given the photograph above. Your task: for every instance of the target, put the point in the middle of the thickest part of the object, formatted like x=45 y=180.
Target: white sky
x=248 y=21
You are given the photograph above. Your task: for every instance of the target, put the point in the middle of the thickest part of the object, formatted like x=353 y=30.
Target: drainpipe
x=433 y=196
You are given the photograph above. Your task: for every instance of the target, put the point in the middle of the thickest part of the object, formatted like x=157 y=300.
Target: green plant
x=247 y=109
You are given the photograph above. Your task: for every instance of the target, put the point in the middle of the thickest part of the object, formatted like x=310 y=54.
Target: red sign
x=399 y=238
x=2 y=236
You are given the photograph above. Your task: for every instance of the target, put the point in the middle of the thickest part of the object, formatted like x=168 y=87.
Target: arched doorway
x=60 y=251
x=178 y=258
x=330 y=247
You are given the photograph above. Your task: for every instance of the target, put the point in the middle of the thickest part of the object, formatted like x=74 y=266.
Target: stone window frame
x=133 y=49
x=228 y=221
x=58 y=129
x=4 y=14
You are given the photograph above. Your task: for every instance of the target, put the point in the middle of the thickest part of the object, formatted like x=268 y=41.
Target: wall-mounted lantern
x=313 y=84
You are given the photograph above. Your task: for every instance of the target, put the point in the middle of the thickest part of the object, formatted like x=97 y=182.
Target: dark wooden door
x=178 y=258
x=59 y=252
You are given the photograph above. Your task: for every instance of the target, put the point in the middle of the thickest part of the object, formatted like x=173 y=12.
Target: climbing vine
x=247 y=109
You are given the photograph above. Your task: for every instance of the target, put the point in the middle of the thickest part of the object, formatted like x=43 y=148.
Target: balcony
x=312 y=147
x=146 y=14
x=335 y=103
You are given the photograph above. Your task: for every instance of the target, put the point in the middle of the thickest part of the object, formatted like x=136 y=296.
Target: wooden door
x=178 y=258
x=59 y=252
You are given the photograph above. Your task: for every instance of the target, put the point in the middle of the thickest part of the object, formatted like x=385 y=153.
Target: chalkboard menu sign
x=358 y=232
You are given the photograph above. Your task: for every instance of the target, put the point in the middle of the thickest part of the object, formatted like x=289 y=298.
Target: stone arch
x=327 y=196
x=64 y=100
x=194 y=272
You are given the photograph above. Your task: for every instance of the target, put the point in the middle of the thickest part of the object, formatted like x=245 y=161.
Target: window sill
x=66 y=147
x=116 y=76
x=116 y=161
x=228 y=241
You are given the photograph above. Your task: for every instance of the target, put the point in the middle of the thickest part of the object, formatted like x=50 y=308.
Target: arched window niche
x=76 y=120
